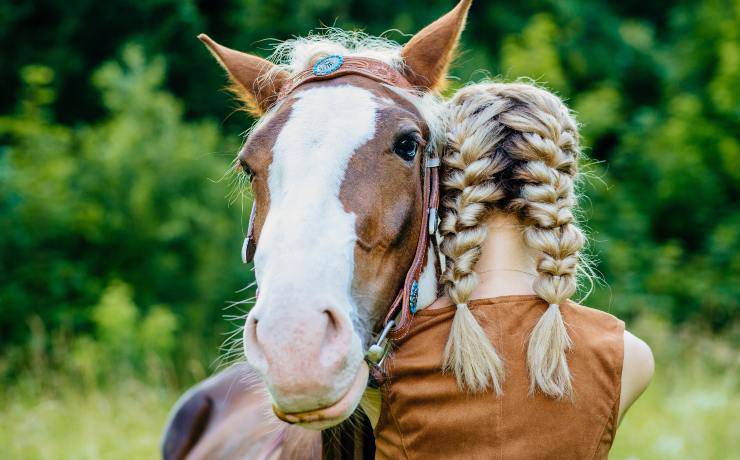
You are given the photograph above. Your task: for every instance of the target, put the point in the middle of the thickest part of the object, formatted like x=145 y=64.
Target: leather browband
x=367 y=67
x=401 y=310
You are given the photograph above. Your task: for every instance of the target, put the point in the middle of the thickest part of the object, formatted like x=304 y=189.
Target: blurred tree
x=122 y=199
x=104 y=173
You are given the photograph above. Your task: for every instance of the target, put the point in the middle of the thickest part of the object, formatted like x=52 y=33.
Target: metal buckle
x=379 y=350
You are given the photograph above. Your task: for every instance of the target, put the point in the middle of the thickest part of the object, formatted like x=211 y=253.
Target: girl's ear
x=428 y=54
x=254 y=80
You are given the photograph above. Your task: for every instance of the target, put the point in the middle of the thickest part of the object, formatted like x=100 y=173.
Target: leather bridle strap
x=405 y=304
x=397 y=322
x=334 y=66
x=250 y=245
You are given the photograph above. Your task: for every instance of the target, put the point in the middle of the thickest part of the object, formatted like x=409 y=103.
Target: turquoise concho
x=414 y=297
x=327 y=65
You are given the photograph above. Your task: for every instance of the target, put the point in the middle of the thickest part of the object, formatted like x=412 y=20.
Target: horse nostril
x=254 y=348
x=251 y=341
x=333 y=323
x=333 y=334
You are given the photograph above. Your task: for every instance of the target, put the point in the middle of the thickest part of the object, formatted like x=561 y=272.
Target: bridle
x=397 y=321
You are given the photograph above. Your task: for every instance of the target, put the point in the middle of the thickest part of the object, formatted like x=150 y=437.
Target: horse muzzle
x=325 y=417
x=310 y=359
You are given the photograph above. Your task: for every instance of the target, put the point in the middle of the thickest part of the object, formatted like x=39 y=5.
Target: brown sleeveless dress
x=425 y=416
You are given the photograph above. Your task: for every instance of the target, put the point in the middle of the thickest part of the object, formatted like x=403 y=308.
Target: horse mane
x=296 y=54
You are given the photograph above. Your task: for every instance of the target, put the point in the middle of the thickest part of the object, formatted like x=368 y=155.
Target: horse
x=343 y=167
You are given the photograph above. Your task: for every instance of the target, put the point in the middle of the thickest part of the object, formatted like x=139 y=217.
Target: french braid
x=514 y=148
x=471 y=161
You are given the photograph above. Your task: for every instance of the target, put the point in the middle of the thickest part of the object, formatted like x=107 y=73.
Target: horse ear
x=255 y=81
x=428 y=54
x=187 y=425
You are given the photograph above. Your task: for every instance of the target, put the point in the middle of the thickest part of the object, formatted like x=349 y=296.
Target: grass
x=124 y=421
x=689 y=412
x=690 y=418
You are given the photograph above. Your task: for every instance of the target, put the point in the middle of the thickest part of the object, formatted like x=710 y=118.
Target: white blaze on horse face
x=305 y=258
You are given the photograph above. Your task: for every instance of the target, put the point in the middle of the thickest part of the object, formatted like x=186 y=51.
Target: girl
x=527 y=373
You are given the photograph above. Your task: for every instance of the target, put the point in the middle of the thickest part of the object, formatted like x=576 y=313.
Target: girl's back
x=426 y=416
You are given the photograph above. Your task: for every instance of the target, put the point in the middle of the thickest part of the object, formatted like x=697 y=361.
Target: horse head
x=337 y=167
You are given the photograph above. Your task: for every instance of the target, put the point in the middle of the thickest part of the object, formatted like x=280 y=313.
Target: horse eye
x=246 y=170
x=406 y=147
x=249 y=173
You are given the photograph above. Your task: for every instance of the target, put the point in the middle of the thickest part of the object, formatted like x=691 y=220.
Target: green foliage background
x=119 y=239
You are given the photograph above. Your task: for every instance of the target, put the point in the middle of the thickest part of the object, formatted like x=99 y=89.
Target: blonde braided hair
x=514 y=148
